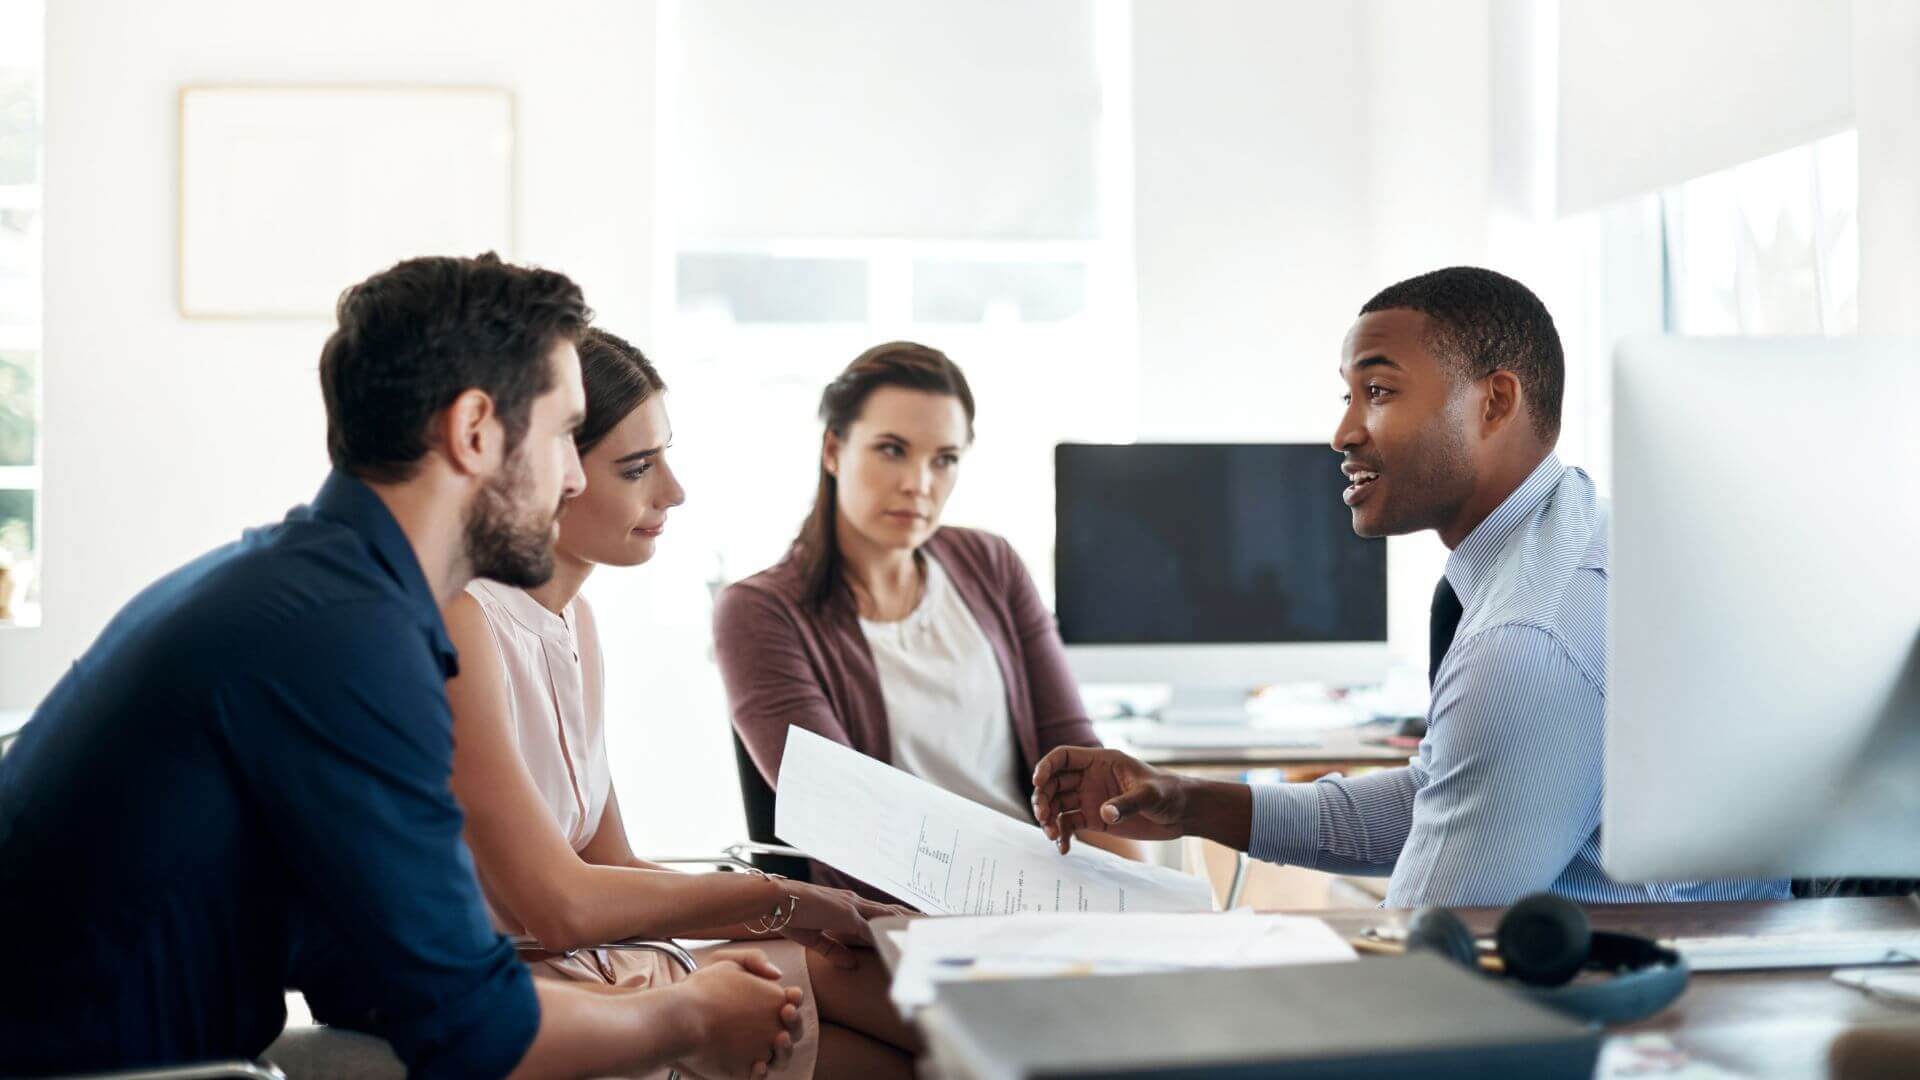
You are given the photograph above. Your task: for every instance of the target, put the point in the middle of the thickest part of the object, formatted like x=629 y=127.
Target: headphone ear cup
x=1441 y=931
x=1544 y=940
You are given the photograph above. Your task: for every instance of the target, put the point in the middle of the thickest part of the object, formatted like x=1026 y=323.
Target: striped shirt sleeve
x=1513 y=758
x=1338 y=825
x=1505 y=791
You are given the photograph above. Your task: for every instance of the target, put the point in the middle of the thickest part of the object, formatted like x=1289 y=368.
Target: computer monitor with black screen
x=1214 y=568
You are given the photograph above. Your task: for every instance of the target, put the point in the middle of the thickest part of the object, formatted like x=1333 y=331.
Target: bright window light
x=22 y=45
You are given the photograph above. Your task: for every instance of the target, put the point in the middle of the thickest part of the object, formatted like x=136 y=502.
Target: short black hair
x=618 y=378
x=413 y=338
x=1485 y=322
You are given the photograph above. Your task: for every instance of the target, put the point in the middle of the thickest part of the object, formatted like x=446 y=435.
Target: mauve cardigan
x=785 y=664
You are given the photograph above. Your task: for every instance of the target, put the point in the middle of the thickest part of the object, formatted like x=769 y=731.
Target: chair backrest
x=757 y=798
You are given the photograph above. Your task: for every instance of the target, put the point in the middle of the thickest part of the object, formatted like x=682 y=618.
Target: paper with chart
x=948 y=855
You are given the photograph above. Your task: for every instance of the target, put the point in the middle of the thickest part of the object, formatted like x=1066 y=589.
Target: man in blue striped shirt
x=1453 y=408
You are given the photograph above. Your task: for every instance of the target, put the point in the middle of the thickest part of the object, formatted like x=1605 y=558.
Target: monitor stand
x=1207 y=705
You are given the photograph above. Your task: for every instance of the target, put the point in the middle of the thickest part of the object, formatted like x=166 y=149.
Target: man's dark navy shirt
x=244 y=786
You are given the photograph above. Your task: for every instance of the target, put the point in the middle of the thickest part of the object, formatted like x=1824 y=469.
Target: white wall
x=1429 y=186
x=1250 y=213
x=886 y=118
x=163 y=436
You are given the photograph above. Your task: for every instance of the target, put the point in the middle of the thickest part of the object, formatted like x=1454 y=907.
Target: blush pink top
x=556 y=687
x=556 y=692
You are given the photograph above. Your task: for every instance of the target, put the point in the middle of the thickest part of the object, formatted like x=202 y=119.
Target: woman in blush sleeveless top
x=531 y=769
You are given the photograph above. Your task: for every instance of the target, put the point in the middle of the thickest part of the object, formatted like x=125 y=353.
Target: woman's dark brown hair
x=617 y=377
x=897 y=363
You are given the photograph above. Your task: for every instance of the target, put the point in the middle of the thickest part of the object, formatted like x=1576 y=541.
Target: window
x=759 y=330
x=1768 y=247
x=21 y=45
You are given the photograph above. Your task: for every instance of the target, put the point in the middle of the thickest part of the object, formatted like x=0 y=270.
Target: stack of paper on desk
x=936 y=951
x=947 y=855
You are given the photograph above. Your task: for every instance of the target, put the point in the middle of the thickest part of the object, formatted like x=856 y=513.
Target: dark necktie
x=1446 y=619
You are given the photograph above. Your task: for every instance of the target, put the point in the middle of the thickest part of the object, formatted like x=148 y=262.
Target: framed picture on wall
x=290 y=193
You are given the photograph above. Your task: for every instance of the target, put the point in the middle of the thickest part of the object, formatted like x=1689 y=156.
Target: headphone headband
x=1647 y=978
x=1545 y=942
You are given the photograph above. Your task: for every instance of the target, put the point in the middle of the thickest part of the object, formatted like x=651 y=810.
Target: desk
x=1337 y=750
x=1755 y=1023
x=1341 y=750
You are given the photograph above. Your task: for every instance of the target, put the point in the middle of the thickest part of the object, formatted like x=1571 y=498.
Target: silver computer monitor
x=1764 y=685
x=1214 y=568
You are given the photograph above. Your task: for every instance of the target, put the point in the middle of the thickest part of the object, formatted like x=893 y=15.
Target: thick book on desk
x=1409 y=1016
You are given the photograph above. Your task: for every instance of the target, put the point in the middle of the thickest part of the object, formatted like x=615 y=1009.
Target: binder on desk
x=1417 y=1015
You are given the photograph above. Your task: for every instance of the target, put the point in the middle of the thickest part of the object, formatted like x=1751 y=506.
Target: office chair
x=672 y=950
x=756 y=797
x=213 y=1070
x=733 y=857
x=1238 y=884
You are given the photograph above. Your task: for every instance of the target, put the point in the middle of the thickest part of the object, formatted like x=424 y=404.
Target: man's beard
x=1432 y=478
x=504 y=543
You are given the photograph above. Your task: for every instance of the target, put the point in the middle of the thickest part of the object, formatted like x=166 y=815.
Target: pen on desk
x=1374 y=943
x=1061 y=840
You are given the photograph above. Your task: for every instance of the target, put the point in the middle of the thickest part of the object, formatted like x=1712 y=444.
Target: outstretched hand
x=1081 y=788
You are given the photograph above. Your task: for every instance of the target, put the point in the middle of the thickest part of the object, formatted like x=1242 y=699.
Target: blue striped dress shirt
x=1503 y=798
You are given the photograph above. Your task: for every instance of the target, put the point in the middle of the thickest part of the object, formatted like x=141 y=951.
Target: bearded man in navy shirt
x=242 y=786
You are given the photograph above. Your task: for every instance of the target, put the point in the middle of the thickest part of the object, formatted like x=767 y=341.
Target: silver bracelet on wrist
x=782 y=914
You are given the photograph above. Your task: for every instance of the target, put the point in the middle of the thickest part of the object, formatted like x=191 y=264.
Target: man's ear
x=470 y=434
x=830 y=454
x=1504 y=404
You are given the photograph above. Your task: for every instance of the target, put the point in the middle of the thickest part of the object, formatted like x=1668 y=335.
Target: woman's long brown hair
x=897 y=363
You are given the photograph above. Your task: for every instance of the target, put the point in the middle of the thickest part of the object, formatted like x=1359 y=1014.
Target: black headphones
x=1545 y=940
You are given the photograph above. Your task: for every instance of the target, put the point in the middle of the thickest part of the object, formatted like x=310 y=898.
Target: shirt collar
x=1469 y=563
x=348 y=500
x=522 y=608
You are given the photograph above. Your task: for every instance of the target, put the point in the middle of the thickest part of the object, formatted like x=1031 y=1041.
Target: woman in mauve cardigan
x=789 y=640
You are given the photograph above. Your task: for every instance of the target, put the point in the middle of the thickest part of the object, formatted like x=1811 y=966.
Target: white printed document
x=935 y=951
x=948 y=855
